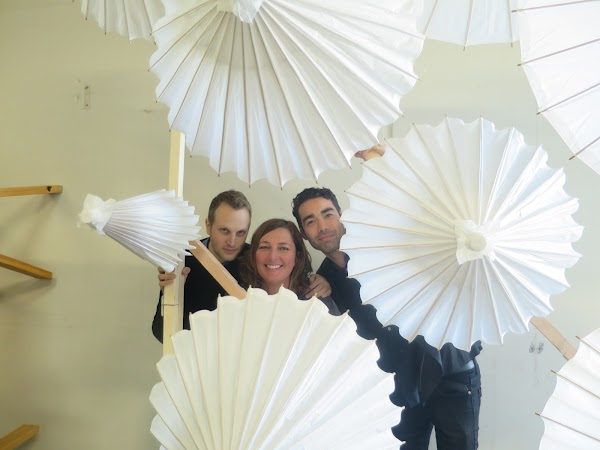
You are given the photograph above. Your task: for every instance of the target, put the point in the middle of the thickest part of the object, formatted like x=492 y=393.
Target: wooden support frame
x=30 y=190
x=24 y=268
x=172 y=301
x=18 y=437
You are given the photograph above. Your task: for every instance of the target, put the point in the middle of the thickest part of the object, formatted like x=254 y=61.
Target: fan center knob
x=477 y=242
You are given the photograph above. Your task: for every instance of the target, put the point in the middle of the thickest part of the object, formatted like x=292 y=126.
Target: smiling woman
x=278 y=257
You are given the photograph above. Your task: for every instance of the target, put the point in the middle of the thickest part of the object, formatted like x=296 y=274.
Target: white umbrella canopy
x=459 y=233
x=572 y=414
x=130 y=18
x=560 y=53
x=156 y=226
x=273 y=372
x=290 y=89
x=469 y=22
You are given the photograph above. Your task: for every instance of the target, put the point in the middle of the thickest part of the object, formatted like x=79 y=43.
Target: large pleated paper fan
x=572 y=414
x=560 y=53
x=282 y=89
x=460 y=232
x=156 y=226
x=470 y=22
x=272 y=372
x=130 y=18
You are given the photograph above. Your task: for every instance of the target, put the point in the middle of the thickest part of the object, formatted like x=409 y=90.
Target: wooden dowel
x=24 y=268
x=216 y=269
x=30 y=190
x=553 y=335
x=18 y=437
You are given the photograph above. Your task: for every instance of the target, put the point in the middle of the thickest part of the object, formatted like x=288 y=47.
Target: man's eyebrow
x=326 y=210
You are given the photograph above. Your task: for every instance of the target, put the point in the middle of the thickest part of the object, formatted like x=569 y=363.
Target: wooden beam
x=216 y=269
x=30 y=190
x=24 y=268
x=173 y=293
x=18 y=437
x=567 y=349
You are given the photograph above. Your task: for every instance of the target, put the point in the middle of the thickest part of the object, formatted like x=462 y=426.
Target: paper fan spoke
x=284 y=89
x=273 y=372
x=459 y=233
x=157 y=226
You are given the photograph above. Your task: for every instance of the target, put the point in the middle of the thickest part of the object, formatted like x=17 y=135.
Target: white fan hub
x=477 y=242
x=245 y=10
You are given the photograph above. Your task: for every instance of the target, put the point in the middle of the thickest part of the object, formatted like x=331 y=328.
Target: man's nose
x=231 y=240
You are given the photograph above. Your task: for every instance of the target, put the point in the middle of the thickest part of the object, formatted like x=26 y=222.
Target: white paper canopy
x=156 y=226
x=460 y=232
x=469 y=22
x=273 y=372
x=572 y=414
x=560 y=52
x=130 y=18
x=290 y=91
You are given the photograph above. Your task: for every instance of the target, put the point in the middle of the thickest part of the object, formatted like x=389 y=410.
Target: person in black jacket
x=438 y=388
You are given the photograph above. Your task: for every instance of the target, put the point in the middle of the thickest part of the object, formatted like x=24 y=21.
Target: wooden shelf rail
x=18 y=437
x=30 y=190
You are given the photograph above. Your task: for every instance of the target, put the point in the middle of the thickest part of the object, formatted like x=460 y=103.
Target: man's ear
x=207 y=226
x=302 y=234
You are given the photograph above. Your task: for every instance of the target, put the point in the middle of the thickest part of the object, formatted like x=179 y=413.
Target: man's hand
x=318 y=286
x=373 y=152
x=167 y=278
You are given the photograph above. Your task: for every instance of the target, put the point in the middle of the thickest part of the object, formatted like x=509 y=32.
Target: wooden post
x=172 y=301
x=24 y=268
x=18 y=437
x=567 y=349
x=30 y=190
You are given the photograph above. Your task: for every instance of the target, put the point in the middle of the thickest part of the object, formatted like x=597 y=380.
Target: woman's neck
x=273 y=289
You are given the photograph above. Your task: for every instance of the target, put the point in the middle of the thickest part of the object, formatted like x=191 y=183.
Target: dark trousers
x=452 y=408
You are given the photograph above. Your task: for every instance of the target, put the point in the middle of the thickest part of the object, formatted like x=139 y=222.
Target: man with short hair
x=438 y=388
x=227 y=225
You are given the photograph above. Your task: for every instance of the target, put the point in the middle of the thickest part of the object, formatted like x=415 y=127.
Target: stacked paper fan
x=156 y=226
x=272 y=372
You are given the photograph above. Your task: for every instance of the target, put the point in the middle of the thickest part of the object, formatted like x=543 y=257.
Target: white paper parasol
x=273 y=372
x=469 y=22
x=460 y=232
x=291 y=90
x=130 y=18
x=156 y=226
x=560 y=52
x=572 y=414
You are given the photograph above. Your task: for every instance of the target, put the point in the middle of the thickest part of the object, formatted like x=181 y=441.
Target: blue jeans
x=452 y=408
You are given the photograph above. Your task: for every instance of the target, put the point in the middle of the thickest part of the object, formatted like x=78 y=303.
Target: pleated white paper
x=130 y=18
x=156 y=226
x=572 y=414
x=290 y=94
x=272 y=372
x=460 y=232
x=560 y=53
x=470 y=22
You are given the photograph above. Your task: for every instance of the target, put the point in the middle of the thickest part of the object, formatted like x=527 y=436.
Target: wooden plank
x=30 y=190
x=173 y=293
x=19 y=436
x=24 y=268
x=216 y=269
x=567 y=349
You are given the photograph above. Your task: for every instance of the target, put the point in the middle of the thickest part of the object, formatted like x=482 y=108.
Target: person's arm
x=163 y=280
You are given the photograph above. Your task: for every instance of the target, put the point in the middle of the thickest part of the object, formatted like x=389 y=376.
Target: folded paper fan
x=460 y=232
x=272 y=372
x=572 y=414
x=156 y=226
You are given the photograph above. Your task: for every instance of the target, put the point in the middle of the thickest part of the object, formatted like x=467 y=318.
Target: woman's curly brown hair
x=299 y=282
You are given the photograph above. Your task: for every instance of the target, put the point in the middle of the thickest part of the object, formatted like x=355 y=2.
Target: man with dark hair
x=440 y=389
x=227 y=225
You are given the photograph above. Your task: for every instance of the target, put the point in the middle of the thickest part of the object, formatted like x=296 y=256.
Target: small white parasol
x=273 y=372
x=156 y=226
x=560 y=53
x=572 y=414
x=282 y=89
x=460 y=232
x=130 y=18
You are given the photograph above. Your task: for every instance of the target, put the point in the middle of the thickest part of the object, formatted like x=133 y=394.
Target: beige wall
x=76 y=354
